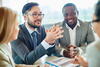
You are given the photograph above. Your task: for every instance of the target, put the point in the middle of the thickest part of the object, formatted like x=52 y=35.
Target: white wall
x=53 y=13
x=0 y=2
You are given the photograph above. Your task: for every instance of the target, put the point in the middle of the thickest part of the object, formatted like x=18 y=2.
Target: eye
x=73 y=13
x=66 y=14
x=34 y=14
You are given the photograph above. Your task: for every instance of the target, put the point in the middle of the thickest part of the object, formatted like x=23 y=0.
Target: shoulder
x=22 y=29
x=22 y=32
x=59 y=23
x=93 y=52
x=3 y=55
x=95 y=44
x=84 y=23
x=3 y=58
x=93 y=47
x=41 y=29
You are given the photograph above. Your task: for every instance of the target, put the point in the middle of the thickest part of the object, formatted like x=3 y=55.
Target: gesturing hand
x=53 y=34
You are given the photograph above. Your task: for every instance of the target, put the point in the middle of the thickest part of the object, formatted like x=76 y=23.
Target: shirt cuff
x=62 y=52
x=46 y=45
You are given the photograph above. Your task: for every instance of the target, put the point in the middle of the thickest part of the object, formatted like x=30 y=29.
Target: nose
x=69 y=16
x=38 y=17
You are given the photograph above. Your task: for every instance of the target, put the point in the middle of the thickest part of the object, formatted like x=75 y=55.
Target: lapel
x=6 y=50
x=66 y=34
x=39 y=35
x=78 y=34
x=25 y=31
x=26 y=36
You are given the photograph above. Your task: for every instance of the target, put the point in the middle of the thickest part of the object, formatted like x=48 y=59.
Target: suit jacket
x=84 y=34
x=94 y=57
x=6 y=56
x=23 y=53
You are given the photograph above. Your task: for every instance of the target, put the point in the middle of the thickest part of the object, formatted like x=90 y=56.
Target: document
x=61 y=62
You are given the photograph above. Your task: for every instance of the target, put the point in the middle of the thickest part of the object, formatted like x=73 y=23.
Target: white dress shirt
x=72 y=33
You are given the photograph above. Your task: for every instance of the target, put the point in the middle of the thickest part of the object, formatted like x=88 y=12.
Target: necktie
x=34 y=37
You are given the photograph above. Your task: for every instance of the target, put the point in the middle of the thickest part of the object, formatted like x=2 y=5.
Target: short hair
x=28 y=6
x=7 y=24
x=69 y=4
x=97 y=10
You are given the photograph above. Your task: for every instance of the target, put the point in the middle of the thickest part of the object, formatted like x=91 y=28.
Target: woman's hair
x=97 y=11
x=7 y=24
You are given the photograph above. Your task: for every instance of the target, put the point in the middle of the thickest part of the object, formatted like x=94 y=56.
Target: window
x=53 y=9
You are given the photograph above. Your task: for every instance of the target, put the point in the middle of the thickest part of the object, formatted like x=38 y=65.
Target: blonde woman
x=8 y=32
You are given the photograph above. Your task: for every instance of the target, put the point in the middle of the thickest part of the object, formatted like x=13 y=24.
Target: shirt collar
x=78 y=24
x=30 y=30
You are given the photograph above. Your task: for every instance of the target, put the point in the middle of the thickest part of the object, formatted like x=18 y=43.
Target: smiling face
x=70 y=14
x=34 y=17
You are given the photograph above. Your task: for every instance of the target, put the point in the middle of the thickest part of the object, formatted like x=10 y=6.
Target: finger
x=60 y=36
x=59 y=29
x=53 y=28
x=56 y=28
x=59 y=32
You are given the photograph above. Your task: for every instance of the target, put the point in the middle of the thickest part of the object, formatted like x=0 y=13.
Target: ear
x=94 y=17
x=25 y=17
x=77 y=12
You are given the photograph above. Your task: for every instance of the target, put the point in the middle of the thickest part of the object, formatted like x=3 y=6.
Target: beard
x=33 y=26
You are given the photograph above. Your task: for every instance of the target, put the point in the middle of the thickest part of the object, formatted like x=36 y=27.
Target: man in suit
x=76 y=32
x=33 y=42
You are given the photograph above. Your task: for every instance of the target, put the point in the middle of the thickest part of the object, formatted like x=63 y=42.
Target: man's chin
x=38 y=25
x=71 y=23
x=35 y=26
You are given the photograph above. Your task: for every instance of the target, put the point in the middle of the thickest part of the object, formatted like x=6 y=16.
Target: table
x=45 y=58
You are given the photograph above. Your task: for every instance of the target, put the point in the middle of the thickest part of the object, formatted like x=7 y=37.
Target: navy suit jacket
x=22 y=51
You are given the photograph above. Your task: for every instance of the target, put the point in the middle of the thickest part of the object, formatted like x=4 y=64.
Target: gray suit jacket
x=84 y=34
x=5 y=56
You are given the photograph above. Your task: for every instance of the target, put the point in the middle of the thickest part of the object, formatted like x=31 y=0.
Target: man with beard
x=76 y=32
x=33 y=42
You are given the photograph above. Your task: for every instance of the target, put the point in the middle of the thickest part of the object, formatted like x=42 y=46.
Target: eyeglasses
x=35 y=15
x=97 y=20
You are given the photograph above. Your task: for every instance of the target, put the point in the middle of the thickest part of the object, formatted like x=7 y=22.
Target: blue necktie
x=34 y=36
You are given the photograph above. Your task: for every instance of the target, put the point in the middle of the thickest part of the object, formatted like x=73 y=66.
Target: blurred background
x=53 y=9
